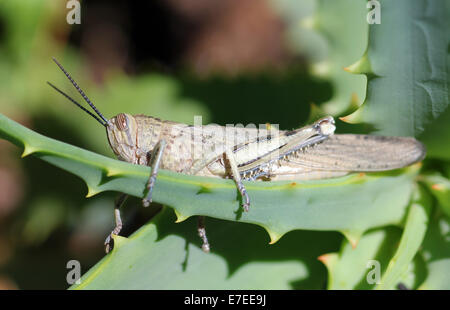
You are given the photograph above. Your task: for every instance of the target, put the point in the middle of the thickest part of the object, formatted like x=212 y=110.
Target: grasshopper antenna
x=81 y=93
x=76 y=103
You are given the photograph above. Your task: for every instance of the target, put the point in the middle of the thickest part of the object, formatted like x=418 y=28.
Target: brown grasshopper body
x=310 y=152
x=134 y=137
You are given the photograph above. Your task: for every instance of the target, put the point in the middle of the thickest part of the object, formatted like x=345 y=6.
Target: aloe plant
x=406 y=66
x=407 y=94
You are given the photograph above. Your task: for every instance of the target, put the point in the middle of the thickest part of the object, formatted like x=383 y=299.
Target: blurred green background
x=230 y=61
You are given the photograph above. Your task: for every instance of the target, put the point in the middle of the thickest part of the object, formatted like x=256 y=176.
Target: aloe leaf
x=412 y=237
x=439 y=186
x=436 y=252
x=315 y=29
x=346 y=41
x=350 y=204
x=436 y=134
x=407 y=68
x=362 y=267
x=162 y=255
x=349 y=269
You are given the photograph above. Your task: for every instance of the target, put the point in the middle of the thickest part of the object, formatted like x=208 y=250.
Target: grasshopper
x=311 y=152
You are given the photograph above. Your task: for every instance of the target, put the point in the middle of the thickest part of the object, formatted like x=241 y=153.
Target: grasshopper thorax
x=122 y=136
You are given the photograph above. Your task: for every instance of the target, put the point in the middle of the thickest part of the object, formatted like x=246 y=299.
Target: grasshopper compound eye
x=122 y=122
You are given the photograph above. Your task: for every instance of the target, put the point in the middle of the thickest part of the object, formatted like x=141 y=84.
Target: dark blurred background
x=230 y=61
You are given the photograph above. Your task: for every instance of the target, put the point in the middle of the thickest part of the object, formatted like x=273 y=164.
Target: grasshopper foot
x=148 y=198
x=246 y=206
x=244 y=195
x=109 y=243
x=202 y=234
x=146 y=202
x=205 y=247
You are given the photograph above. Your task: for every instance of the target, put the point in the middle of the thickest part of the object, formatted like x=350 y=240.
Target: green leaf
x=358 y=268
x=436 y=252
x=407 y=68
x=346 y=41
x=413 y=235
x=436 y=134
x=315 y=29
x=439 y=186
x=349 y=268
x=165 y=255
x=350 y=204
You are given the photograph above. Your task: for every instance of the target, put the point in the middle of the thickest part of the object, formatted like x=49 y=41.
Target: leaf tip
x=180 y=217
x=330 y=261
x=28 y=150
x=362 y=66
x=274 y=236
x=92 y=191
x=353 y=237
x=327 y=259
x=437 y=187
x=353 y=118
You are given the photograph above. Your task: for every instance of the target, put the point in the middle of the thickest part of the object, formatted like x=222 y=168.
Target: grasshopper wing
x=362 y=153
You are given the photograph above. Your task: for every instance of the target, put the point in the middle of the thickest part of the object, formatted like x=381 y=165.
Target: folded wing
x=363 y=153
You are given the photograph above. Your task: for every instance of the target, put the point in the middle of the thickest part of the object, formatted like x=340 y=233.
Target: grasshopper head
x=122 y=136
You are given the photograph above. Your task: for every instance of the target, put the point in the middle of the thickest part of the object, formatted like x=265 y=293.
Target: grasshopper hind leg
x=118 y=203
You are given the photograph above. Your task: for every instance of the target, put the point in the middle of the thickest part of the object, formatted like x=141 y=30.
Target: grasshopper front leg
x=155 y=162
x=237 y=178
x=117 y=204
